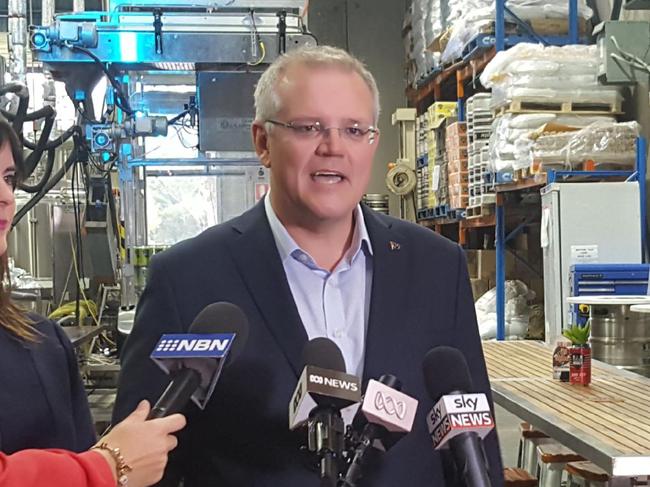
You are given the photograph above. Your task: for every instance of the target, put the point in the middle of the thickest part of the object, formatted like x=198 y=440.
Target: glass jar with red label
x=580 y=368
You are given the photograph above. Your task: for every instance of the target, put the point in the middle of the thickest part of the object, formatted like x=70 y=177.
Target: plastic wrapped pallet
x=419 y=42
x=510 y=143
x=426 y=24
x=407 y=39
x=605 y=145
x=532 y=73
x=517 y=311
x=433 y=27
x=468 y=18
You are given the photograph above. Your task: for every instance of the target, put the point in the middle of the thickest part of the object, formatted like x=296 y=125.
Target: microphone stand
x=363 y=454
x=325 y=437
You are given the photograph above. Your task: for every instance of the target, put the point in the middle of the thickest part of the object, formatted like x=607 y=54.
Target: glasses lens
x=313 y=130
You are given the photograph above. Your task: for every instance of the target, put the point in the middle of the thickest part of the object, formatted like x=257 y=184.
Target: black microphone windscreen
x=445 y=371
x=324 y=353
x=223 y=317
x=391 y=381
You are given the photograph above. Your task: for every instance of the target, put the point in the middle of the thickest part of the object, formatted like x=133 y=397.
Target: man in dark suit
x=308 y=261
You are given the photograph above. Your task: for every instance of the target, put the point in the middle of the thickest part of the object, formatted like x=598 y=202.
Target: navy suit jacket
x=42 y=400
x=421 y=298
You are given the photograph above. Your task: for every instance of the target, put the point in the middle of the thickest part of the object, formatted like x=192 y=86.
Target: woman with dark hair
x=43 y=404
x=42 y=400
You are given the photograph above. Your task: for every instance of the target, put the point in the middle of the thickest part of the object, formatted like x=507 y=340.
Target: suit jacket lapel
x=259 y=263
x=389 y=295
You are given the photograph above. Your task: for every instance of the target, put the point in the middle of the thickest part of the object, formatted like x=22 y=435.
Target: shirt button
x=338 y=333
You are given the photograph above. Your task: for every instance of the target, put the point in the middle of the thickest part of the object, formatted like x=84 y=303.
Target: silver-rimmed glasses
x=355 y=132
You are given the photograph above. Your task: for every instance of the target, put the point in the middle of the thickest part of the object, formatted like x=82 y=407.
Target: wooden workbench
x=607 y=422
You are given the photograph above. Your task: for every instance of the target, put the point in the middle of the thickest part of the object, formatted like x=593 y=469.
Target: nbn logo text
x=193 y=345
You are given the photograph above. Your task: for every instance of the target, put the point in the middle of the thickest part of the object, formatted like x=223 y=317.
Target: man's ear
x=261 y=142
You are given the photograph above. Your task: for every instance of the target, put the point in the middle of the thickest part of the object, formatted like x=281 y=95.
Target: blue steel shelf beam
x=641 y=161
x=499 y=25
x=500 y=237
x=559 y=176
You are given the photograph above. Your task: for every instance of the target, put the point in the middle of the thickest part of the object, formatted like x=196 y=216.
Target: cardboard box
x=457 y=154
x=481 y=265
x=458 y=189
x=457 y=165
x=456 y=129
x=439 y=111
x=458 y=201
x=479 y=287
x=460 y=177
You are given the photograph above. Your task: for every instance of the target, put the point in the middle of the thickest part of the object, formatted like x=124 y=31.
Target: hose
x=23 y=104
x=35 y=156
x=30 y=117
x=51 y=153
x=72 y=159
x=54 y=143
x=11 y=88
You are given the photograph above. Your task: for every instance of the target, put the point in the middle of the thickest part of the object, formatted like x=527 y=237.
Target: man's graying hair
x=267 y=102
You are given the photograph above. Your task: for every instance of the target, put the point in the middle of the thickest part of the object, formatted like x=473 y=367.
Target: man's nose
x=331 y=142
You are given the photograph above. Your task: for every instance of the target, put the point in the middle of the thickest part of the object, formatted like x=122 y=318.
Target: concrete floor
x=509 y=433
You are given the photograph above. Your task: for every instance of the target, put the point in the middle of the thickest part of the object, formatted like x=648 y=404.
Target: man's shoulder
x=215 y=240
x=423 y=238
x=211 y=244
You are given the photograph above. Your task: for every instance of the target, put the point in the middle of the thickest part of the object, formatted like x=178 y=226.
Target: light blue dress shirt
x=333 y=304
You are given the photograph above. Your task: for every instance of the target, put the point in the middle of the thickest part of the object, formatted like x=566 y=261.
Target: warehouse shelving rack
x=479 y=51
x=448 y=84
x=552 y=176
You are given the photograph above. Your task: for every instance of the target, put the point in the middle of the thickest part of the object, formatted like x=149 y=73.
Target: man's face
x=322 y=178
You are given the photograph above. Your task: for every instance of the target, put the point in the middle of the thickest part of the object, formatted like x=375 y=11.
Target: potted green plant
x=580 y=368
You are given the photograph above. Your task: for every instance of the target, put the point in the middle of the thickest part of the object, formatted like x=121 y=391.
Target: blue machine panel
x=606 y=279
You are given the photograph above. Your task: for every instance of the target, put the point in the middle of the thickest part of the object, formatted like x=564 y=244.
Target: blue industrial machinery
x=187 y=66
x=606 y=279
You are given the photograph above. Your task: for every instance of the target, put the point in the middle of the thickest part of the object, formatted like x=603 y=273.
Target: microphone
x=458 y=421
x=322 y=391
x=385 y=416
x=194 y=360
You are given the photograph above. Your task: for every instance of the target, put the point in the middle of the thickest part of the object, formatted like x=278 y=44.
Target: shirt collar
x=287 y=245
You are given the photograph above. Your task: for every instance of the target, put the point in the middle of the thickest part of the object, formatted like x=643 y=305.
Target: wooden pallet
x=455 y=165
x=532 y=105
x=559 y=26
x=540 y=169
x=523 y=173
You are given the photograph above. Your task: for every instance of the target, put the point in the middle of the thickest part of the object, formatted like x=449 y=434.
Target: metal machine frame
x=145 y=42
